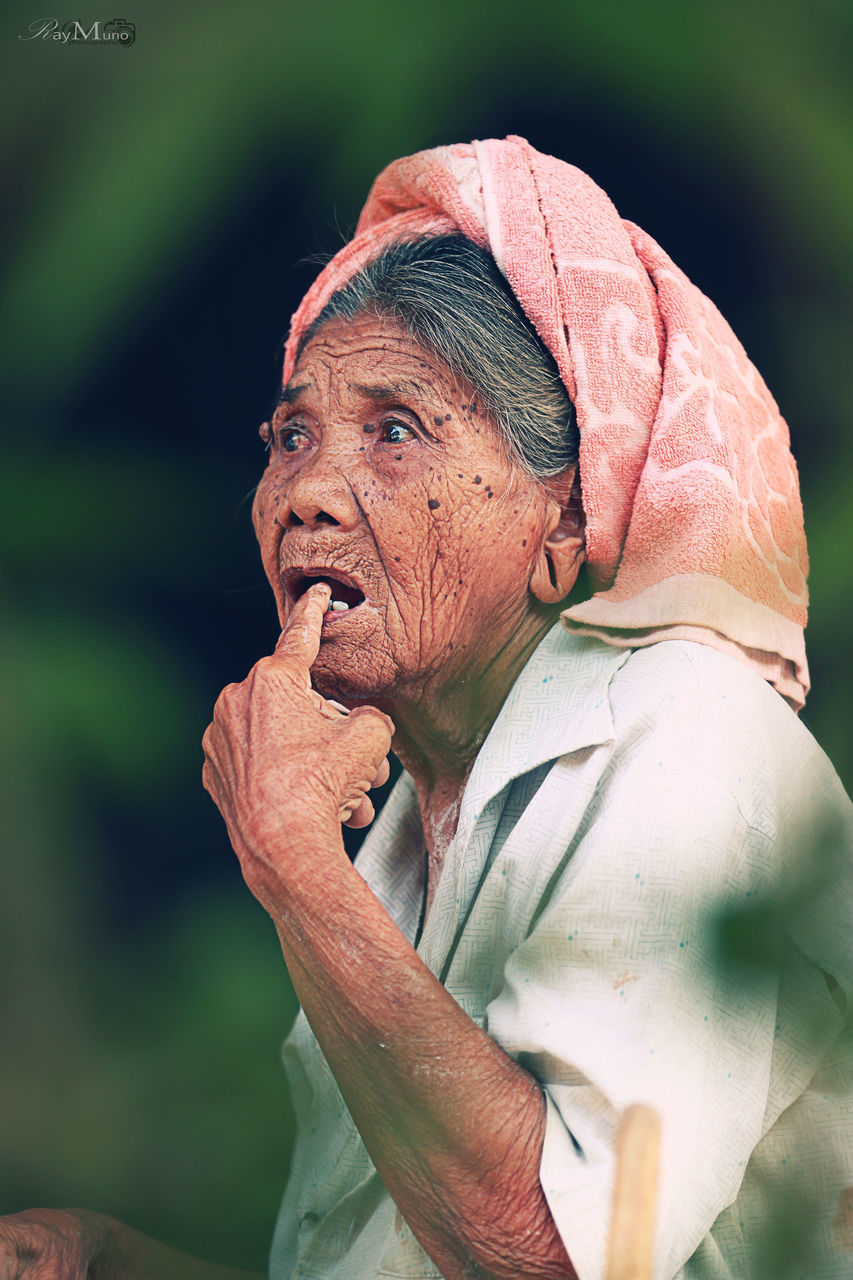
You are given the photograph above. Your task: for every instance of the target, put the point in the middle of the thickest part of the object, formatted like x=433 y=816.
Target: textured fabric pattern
x=694 y=523
x=620 y=804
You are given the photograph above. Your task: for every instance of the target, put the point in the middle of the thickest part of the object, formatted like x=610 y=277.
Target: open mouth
x=345 y=594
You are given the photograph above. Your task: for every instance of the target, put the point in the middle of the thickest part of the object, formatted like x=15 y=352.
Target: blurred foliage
x=158 y=201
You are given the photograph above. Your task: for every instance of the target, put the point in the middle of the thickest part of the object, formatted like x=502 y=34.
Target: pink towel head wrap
x=694 y=524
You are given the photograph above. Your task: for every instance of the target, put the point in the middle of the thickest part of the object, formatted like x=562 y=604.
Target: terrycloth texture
x=694 y=526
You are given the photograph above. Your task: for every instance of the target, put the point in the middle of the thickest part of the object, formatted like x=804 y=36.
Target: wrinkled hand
x=51 y=1244
x=283 y=764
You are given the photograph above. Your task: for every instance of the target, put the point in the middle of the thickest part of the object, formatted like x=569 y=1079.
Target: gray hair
x=450 y=297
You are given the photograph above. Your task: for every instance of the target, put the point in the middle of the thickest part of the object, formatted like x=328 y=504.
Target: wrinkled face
x=386 y=479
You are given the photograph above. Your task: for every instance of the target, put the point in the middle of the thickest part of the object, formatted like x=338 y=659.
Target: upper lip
x=292 y=578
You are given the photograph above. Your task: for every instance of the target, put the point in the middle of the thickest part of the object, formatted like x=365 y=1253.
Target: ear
x=561 y=551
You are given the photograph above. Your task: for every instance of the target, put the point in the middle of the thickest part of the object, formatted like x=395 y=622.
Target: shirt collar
x=558 y=704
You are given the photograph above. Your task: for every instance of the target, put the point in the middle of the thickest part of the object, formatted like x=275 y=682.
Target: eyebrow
x=372 y=391
x=290 y=393
x=384 y=391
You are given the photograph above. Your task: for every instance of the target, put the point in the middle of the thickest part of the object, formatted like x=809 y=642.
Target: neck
x=440 y=728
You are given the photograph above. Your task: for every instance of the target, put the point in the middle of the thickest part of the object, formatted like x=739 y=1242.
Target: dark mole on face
x=438 y=421
x=447 y=417
x=478 y=479
x=368 y=427
x=433 y=504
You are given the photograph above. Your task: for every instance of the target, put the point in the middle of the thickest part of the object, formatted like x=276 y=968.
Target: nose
x=319 y=494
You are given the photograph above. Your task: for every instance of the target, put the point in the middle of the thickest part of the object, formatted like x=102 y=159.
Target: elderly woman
x=530 y=519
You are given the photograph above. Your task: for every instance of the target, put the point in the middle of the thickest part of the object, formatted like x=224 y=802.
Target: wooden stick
x=632 y=1221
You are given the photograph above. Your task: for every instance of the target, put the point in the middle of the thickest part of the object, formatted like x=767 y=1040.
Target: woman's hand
x=52 y=1244
x=284 y=765
x=454 y=1126
x=74 y=1244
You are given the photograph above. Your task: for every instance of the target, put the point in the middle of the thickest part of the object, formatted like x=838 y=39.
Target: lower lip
x=336 y=615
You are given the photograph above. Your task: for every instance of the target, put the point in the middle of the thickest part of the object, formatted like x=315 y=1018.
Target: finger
x=373 y=731
x=362 y=815
x=381 y=726
x=383 y=773
x=208 y=782
x=299 y=642
x=207 y=741
x=327 y=707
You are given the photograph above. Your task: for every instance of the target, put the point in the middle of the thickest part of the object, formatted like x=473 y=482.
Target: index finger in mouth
x=300 y=639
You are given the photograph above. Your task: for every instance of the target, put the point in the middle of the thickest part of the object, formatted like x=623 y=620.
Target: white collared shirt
x=649 y=898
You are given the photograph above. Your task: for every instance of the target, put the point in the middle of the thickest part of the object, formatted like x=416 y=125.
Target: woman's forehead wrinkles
x=369 y=341
x=371 y=359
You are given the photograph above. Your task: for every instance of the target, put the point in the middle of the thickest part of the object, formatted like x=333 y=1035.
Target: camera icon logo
x=119 y=31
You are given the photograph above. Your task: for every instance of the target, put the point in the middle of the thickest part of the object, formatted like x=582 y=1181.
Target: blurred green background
x=160 y=202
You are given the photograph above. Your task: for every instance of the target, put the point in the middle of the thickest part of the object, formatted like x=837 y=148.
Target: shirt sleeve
x=621 y=994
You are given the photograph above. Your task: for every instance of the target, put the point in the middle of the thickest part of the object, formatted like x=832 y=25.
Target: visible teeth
x=339 y=606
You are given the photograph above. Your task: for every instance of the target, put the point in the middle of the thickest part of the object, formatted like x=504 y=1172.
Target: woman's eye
x=396 y=432
x=291 y=439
